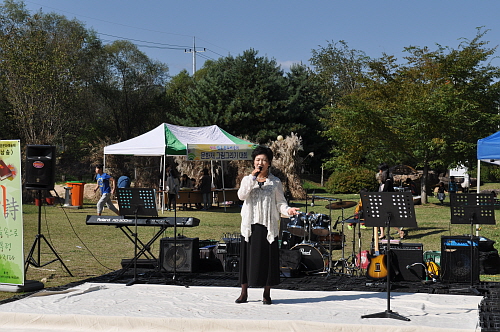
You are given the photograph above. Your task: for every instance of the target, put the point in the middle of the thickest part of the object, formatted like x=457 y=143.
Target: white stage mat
x=116 y=307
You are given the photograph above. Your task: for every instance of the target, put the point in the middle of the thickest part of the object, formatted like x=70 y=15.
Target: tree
x=338 y=68
x=129 y=86
x=251 y=97
x=41 y=54
x=428 y=112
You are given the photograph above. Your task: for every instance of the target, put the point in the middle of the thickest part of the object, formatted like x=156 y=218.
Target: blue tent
x=488 y=150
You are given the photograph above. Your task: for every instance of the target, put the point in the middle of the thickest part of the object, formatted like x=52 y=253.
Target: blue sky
x=286 y=31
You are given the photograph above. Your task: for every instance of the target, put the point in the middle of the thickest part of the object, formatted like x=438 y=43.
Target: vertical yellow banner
x=11 y=214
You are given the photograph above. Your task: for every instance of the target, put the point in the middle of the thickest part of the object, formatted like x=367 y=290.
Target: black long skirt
x=259 y=260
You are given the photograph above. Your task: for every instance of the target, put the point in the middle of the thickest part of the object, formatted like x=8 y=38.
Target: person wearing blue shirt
x=452 y=185
x=106 y=184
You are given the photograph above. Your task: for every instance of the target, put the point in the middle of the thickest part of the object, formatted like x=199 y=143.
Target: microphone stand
x=174 y=277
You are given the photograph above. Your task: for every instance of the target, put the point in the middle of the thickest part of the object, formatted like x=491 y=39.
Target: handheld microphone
x=257 y=174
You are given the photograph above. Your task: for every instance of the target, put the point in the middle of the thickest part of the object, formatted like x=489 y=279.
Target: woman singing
x=264 y=201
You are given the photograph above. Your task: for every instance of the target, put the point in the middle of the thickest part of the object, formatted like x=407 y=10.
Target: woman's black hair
x=263 y=150
x=383 y=166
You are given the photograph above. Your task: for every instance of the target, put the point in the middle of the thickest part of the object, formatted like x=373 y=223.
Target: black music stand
x=388 y=209
x=472 y=209
x=137 y=202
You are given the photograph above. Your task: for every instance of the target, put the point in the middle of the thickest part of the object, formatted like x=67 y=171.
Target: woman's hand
x=293 y=211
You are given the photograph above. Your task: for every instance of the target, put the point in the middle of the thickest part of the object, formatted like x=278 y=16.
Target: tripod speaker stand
x=388 y=209
x=36 y=244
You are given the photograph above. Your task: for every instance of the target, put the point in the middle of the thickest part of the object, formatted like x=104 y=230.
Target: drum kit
x=318 y=240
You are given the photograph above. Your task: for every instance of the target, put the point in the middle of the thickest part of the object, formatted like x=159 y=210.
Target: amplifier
x=181 y=254
x=229 y=246
x=459 y=258
x=407 y=261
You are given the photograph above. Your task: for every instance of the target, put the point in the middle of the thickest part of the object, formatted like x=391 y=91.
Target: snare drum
x=314 y=257
x=320 y=224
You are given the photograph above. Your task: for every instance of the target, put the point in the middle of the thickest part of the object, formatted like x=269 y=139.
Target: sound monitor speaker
x=404 y=255
x=182 y=254
x=458 y=262
x=40 y=167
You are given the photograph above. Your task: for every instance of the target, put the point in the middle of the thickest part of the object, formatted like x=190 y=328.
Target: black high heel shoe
x=241 y=300
x=267 y=301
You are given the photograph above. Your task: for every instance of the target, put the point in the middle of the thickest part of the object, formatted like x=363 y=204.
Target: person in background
x=206 y=189
x=199 y=206
x=452 y=185
x=106 y=184
x=263 y=202
x=413 y=187
x=172 y=187
x=358 y=211
x=186 y=182
x=440 y=192
x=387 y=185
x=124 y=181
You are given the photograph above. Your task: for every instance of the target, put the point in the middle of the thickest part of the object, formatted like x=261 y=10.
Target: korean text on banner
x=220 y=151
x=11 y=215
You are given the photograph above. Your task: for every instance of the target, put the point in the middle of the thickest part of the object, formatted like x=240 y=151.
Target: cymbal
x=340 y=205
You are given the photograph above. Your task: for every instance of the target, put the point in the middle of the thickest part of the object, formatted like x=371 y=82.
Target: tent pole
x=478 y=180
x=162 y=167
x=477 y=187
x=223 y=185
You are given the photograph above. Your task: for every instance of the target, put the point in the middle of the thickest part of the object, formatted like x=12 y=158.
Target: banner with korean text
x=11 y=215
x=220 y=151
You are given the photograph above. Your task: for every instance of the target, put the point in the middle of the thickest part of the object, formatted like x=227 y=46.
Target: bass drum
x=313 y=258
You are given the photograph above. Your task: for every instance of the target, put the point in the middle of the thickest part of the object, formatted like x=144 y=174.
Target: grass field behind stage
x=91 y=250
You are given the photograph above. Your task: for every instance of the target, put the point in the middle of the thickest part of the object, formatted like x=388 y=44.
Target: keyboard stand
x=143 y=248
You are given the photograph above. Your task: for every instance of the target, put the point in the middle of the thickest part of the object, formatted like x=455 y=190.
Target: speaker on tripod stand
x=40 y=175
x=40 y=167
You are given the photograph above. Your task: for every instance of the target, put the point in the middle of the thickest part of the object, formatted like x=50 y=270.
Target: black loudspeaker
x=459 y=259
x=407 y=261
x=40 y=167
x=182 y=254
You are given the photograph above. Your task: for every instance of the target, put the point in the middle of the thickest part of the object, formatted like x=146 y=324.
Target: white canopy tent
x=196 y=143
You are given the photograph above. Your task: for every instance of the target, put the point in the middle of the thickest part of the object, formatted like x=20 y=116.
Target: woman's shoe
x=241 y=300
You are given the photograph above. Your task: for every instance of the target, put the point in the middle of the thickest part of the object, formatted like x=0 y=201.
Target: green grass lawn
x=90 y=251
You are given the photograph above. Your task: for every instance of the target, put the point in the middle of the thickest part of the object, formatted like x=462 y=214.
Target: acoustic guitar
x=377 y=268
